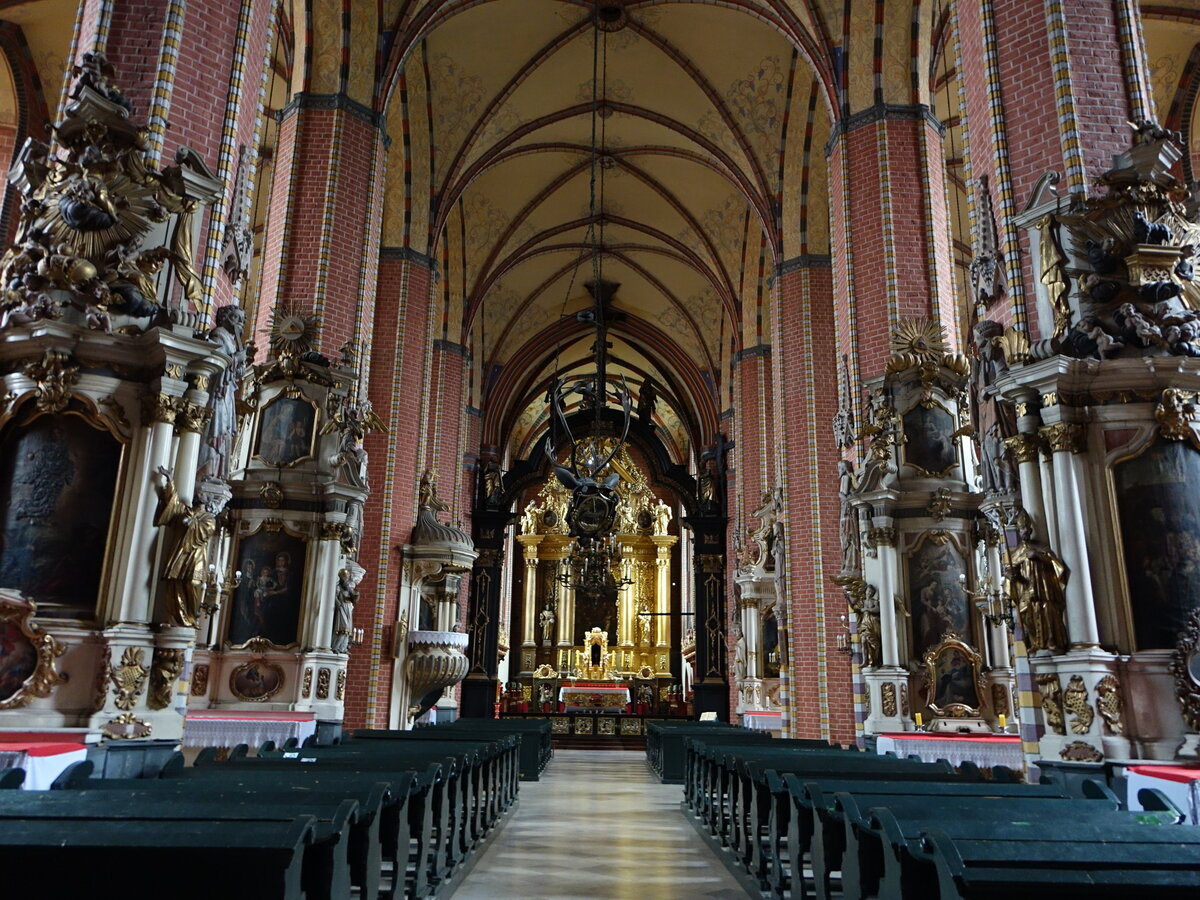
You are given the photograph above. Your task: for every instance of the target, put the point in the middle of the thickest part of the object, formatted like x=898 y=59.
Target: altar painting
x=939 y=603
x=59 y=476
x=928 y=439
x=285 y=432
x=266 y=601
x=1160 y=533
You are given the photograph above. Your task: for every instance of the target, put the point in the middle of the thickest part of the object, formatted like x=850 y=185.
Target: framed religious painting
x=266 y=601
x=952 y=679
x=937 y=599
x=58 y=475
x=929 y=439
x=256 y=681
x=1160 y=537
x=286 y=431
x=27 y=654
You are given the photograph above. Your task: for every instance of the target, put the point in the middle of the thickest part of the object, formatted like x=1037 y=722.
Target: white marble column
x=1067 y=441
x=883 y=535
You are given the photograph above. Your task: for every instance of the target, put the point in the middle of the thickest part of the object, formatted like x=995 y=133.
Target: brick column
x=322 y=233
x=819 y=679
x=194 y=72
x=398 y=392
x=1054 y=92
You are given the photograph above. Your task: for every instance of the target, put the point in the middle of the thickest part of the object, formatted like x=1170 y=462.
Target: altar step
x=600 y=742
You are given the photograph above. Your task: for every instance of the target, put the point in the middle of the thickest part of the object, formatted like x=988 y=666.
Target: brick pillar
x=193 y=72
x=1048 y=91
x=322 y=235
x=397 y=390
x=890 y=240
x=819 y=679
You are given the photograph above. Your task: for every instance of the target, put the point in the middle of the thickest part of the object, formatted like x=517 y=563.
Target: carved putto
x=87 y=210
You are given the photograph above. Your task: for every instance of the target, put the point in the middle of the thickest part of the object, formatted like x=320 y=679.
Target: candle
x=1003 y=722
x=920 y=720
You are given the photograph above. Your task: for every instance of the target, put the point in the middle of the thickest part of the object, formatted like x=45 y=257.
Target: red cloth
x=1182 y=774
x=951 y=736
x=40 y=748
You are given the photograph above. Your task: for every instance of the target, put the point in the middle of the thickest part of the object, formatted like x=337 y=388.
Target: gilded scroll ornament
x=1051 y=694
x=1081 y=751
x=129 y=678
x=1075 y=702
x=340 y=690
x=164 y=672
x=1109 y=704
x=1185 y=667
x=1177 y=415
x=52 y=376
x=323 y=678
x=127 y=727
x=29 y=654
x=200 y=681
x=306 y=683
x=888 y=692
x=1000 y=700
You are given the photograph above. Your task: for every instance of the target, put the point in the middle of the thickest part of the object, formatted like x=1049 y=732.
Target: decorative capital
x=192 y=417
x=712 y=563
x=1023 y=447
x=160 y=409
x=882 y=536
x=1065 y=437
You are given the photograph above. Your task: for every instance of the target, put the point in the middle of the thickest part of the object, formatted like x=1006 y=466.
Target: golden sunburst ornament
x=292 y=333
x=920 y=337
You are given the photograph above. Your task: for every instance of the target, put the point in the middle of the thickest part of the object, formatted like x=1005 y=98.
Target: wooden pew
x=11 y=779
x=326 y=864
x=1065 y=859
x=198 y=859
x=536 y=738
x=666 y=752
x=869 y=854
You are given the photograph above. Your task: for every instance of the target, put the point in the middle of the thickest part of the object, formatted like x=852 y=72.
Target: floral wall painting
x=1160 y=531
x=286 y=431
x=58 y=475
x=928 y=439
x=266 y=601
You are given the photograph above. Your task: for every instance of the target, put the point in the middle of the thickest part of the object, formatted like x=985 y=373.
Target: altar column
x=883 y=536
x=1067 y=440
x=529 y=621
x=662 y=589
x=627 y=609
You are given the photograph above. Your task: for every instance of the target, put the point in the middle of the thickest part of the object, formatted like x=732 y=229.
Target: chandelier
x=592 y=510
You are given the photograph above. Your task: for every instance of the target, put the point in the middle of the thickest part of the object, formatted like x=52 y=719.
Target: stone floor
x=598 y=825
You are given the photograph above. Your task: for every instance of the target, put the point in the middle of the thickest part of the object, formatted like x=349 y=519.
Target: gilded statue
x=1037 y=584
x=187 y=565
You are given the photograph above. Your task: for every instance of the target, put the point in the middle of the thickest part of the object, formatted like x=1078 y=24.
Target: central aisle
x=598 y=825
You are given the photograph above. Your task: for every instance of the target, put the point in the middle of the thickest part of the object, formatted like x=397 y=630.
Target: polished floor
x=598 y=825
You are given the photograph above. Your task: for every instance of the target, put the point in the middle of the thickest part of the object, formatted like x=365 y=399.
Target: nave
x=598 y=824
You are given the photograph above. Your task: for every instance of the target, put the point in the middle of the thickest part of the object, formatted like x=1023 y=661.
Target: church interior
x=571 y=375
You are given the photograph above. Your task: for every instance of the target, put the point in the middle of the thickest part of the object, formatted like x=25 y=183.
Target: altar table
x=41 y=760
x=763 y=719
x=985 y=750
x=593 y=697
x=1180 y=783
x=220 y=728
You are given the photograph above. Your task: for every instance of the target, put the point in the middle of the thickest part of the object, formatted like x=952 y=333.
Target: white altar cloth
x=984 y=750
x=228 y=728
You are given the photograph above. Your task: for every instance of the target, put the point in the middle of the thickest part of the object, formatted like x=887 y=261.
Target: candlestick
x=1003 y=723
x=920 y=720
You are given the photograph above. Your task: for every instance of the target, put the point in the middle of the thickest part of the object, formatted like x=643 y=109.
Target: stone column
x=662 y=589
x=1067 y=441
x=711 y=690
x=530 y=622
x=883 y=535
x=483 y=614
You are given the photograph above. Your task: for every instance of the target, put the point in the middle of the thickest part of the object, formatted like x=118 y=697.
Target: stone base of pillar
x=1087 y=679
x=750 y=696
x=887 y=700
x=1152 y=713
x=478 y=698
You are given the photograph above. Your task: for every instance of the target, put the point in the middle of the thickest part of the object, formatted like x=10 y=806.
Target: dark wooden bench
x=381 y=830
x=870 y=858
x=326 y=865
x=1066 y=859
x=667 y=753
x=198 y=859
x=11 y=779
x=536 y=738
